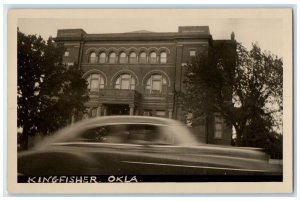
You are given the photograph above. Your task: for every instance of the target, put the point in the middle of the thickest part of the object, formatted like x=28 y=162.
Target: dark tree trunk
x=239 y=133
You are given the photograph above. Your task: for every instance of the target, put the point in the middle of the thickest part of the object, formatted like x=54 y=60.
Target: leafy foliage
x=49 y=92
x=244 y=86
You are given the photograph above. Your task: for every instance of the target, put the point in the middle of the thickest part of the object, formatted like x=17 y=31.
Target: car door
x=103 y=147
x=157 y=150
x=164 y=150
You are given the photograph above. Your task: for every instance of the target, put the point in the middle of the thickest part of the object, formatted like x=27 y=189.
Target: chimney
x=232 y=36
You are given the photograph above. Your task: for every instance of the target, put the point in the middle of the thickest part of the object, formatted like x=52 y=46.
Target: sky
x=266 y=31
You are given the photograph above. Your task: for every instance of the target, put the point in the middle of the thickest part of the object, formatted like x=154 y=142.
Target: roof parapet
x=194 y=29
x=70 y=33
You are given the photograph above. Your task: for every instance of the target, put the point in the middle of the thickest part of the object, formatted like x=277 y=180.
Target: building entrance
x=117 y=109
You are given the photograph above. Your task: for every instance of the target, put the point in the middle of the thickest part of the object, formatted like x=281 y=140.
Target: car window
x=149 y=134
x=128 y=134
x=105 y=134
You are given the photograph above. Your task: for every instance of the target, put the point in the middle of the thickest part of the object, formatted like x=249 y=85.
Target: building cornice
x=170 y=37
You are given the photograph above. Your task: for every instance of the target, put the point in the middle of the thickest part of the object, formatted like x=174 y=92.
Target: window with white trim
x=156 y=84
x=219 y=120
x=125 y=81
x=122 y=58
x=132 y=58
x=192 y=53
x=102 y=58
x=152 y=58
x=93 y=58
x=112 y=58
x=163 y=57
x=67 y=53
x=143 y=57
x=160 y=113
x=70 y=64
x=95 y=82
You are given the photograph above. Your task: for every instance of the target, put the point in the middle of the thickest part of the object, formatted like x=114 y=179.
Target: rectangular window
x=70 y=64
x=67 y=53
x=94 y=85
x=160 y=113
x=218 y=126
x=192 y=53
x=125 y=84
x=156 y=85
x=94 y=112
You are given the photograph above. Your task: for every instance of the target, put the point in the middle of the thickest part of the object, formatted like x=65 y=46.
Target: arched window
x=132 y=58
x=156 y=84
x=163 y=57
x=93 y=58
x=102 y=58
x=143 y=58
x=112 y=58
x=152 y=58
x=125 y=81
x=95 y=82
x=122 y=58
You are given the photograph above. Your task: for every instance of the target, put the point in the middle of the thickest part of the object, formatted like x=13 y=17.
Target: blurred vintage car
x=137 y=145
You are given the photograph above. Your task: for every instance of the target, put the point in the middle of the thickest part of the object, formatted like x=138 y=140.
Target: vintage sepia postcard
x=149 y=101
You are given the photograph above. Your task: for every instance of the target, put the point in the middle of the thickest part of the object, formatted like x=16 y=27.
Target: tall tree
x=244 y=86
x=49 y=92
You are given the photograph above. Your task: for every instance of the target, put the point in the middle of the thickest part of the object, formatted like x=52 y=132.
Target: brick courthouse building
x=139 y=73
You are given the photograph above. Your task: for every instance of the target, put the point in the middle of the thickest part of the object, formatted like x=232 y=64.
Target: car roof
x=132 y=120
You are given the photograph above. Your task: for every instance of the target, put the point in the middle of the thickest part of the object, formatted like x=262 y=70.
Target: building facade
x=139 y=73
